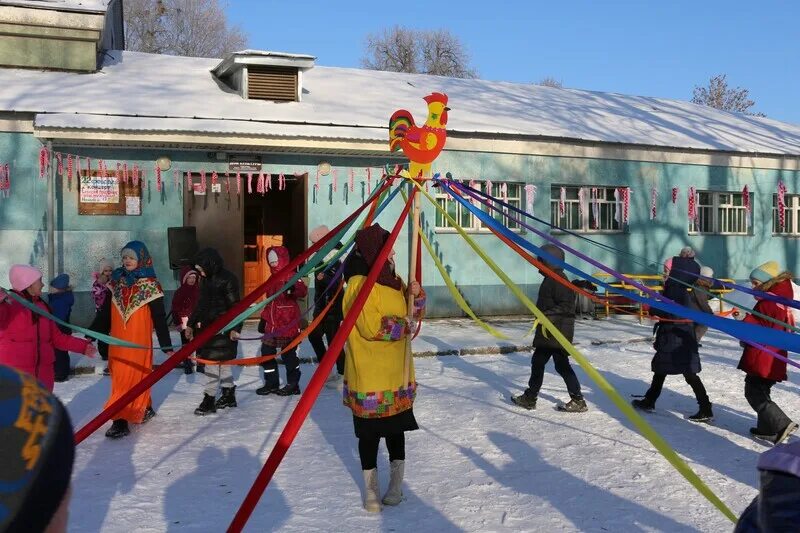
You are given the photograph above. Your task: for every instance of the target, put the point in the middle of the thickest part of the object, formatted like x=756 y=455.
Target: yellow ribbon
x=644 y=428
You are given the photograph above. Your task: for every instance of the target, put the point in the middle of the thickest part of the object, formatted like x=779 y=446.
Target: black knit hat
x=37 y=449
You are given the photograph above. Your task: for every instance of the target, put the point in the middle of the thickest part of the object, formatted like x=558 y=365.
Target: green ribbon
x=644 y=428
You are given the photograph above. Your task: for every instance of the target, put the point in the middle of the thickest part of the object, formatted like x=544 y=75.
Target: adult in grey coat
x=557 y=302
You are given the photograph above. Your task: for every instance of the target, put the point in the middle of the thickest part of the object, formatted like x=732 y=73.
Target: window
x=593 y=210
x=468 y=221
x=791 y=211
x=721 y=213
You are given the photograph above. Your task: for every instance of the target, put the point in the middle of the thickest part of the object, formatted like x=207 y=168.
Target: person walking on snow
x=762 y=368
x=60 y=299
x=557 y=302
x=698 y=300
x=100 y=294
x=219 y=291
x=183 y=303
x=280 y=324
x=27 y=340
x=675 y=340
x=374 y=387
x=324 y=290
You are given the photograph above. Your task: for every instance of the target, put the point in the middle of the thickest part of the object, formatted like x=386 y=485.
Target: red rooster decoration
x=420 y=144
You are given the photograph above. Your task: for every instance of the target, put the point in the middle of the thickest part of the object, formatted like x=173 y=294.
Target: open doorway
x=277 y=217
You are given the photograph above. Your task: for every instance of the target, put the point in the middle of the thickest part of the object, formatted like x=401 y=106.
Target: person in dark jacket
x=762 y=368
x=183 y=303
x=219 y=291
x=100 y=294
x=777 y=505
x=698 y=300
x=324 y=290
x=60 y=299
x=675 y=341
x=280 y=324
x=557 y=302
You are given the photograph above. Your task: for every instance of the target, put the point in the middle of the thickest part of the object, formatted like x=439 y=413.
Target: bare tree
x=720 y=96
x=550 y=81
x=197 y=28
x=400 y=49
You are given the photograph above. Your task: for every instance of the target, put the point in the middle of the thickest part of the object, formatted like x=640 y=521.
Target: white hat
x=707 y=272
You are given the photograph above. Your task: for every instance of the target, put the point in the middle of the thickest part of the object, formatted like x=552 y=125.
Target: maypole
x=421 y=145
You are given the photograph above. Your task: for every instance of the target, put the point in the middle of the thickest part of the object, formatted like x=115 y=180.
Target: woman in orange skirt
x=137 y=302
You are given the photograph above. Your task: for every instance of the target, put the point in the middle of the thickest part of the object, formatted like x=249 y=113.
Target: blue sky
x=635 y=47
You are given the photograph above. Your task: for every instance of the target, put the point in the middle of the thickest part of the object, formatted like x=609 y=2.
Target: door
x=256 y=269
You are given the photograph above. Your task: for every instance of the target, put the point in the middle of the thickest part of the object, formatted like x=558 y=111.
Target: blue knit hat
x=765 y=271
x=60 y=282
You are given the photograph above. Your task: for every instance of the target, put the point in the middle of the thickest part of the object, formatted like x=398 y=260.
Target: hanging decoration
x=268 y=182
x=44 y=158
x=626 y=203
x=692 y=205
x=562 y=202
x=530 y=197
x=239 y=183
x=581 y=199
x=504 y=191
x=135 y=175
x=352 y=179
x=5 y=180
x=203 y=181
x=596 y=207
x=188 y=181
x=746 y=199
x=334 y=179
x=782 y=205
x=249 y=183
x=214 y=180
x=369 y=180
x=60 y=164
x=675 y=192
x=653 y=202
x=125 y=176
x=176 y=179
x=281 y=182
x=70 y=162
x=227 y=184
x=158 y=178
x=260 y=183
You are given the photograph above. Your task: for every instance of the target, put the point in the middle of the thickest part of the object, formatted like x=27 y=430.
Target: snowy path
x=477 y=464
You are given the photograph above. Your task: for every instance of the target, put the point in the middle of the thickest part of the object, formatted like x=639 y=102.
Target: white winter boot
x=394 y=495
x=371 y=503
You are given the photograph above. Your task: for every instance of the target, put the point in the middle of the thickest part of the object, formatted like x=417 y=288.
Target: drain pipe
x=51 y=217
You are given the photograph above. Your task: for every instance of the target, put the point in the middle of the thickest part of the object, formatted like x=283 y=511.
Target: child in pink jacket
x=28 y=340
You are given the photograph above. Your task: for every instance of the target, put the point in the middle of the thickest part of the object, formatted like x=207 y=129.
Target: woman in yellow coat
x=137 y=302
x=374 y=385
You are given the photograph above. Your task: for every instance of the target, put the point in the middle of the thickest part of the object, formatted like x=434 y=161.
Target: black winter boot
x=523 y=400
x=118 y=429
x=289 y=390
x=149 y=413
x=644 y=405
x=207 y=406
x=705 y=414
x=228 y=398
x=576 y=405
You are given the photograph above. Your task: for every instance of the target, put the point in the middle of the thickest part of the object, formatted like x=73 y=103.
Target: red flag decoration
x=746 y=199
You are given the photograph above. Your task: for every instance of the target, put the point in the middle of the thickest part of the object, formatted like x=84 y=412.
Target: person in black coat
x=324 y=289
x=557 y=302
x=219 y=291
x=676 y=343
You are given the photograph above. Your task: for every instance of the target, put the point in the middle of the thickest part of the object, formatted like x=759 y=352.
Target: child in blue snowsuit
x=60 y=299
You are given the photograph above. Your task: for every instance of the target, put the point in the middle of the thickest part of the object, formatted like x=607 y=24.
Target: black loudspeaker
x=182 y=246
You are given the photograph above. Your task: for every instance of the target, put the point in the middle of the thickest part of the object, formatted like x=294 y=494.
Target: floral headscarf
x=144 y=269
x=138 y=287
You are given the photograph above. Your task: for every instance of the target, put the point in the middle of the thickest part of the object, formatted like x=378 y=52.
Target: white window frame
x=792 y=213
x=475 y=225
x=572 y=209
x=719 y=211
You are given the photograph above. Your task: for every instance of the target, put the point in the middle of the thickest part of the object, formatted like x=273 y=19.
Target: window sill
x=588 y=232
x=445 y=231
x=704 y=234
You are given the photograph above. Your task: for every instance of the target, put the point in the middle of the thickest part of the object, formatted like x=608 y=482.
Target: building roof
x=90 y=6
x=148 y=92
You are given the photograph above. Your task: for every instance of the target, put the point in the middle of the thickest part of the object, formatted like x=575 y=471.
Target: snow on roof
x=134 y=85
x=94 y=6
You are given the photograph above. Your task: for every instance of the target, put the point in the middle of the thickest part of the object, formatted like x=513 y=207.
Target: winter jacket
x=676 y=349
x=185 y=298
x=325 y=289
x=27 y=341
x=100 y=293
x=280 y=319
x=759 y=362
x=683 y=274
x=557 y=302
x=698 y=300
x=219 y=291
x=61 y=304
x=777 y=506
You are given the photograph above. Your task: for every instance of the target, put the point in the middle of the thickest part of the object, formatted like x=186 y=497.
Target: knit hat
x=687 y=251
x=765 y=271
x=318 y=233
x=38 y=449
x=23 y=276
x=554 y=251
x=60 y=282
x=707 y=272
x=104 y=264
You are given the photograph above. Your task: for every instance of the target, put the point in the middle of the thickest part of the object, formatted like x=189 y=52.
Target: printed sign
x=133 y=205
x=99 y=190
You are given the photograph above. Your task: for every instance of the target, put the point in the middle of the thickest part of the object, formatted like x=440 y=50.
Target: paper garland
x=781 y=205
x=5 y=180
x=581 y=199
x=562 y=202
x=530 y=197
x=746 y=199
x=596 y=207
x=653 y=202
x=692 y=196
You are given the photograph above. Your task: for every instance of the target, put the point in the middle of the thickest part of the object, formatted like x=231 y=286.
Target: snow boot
x=270 y=386
x=705 y=414
x=118 y=429
x=187 y=367
x=149 y=413
x=790 y=428
x=206 y=406
x=371 y=502
x=644 y=405
x=289 y=390
x=228 y=398
x=201 y=368
x=576 y=405
x=523 y=400
x=334 y=381
x=394 y=494
x=760 y=435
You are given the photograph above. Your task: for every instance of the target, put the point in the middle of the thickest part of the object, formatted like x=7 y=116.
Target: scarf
x=138 y=287
x=369 y=242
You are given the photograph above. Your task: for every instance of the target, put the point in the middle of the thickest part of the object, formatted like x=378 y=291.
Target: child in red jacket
x=27 y=340
x=280 y=324
x=763 y=369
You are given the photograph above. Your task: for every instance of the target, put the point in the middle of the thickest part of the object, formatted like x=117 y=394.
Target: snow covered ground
x=478 y=463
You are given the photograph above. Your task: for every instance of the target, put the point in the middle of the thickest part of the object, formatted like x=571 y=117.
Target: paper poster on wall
x=99 y=190
x=133 y=205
